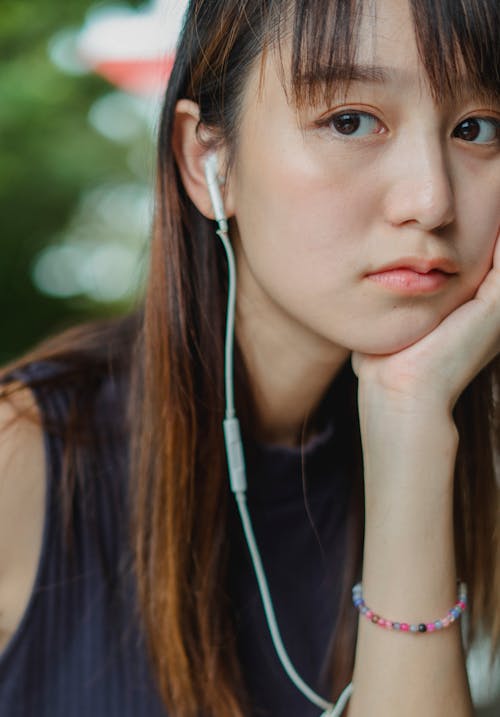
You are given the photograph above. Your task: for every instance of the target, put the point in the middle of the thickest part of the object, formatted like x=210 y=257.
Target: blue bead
x=364 y=609
x=358 y=601
x=413 y=628
x=396 y=625
x=438 y=624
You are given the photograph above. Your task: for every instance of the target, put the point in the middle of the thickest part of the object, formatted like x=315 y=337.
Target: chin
x=391 y=340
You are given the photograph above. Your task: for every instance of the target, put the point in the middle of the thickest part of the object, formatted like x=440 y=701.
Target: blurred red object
x=133 y=49
x=148 y=76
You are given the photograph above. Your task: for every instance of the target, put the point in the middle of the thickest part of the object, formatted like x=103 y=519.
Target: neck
x=289 y=375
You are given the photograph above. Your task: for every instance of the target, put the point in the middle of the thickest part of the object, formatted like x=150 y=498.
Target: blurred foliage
x=49 y=155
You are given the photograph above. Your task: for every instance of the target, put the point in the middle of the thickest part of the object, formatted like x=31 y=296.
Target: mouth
x=420 y=264
x=415 y=274
x=407 y=280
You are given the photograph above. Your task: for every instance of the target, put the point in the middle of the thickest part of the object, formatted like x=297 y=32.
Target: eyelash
x=328 y=122
x=495 y=123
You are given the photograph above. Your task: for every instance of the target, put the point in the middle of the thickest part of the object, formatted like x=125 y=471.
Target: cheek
x=293 y=215
x=295 y=248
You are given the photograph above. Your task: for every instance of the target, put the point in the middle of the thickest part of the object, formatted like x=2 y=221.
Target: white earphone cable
x=237 y=477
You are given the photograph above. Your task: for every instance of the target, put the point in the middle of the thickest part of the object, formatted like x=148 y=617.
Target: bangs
x=457 y=40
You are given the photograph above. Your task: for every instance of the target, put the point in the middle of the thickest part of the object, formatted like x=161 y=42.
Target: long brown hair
x=176 y=400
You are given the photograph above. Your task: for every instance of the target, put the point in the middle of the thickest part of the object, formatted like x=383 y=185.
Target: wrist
x=403 y=404
x=412 y=458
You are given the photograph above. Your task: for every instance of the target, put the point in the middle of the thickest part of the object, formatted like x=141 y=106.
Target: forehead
x=383 y=43
x=384 y=51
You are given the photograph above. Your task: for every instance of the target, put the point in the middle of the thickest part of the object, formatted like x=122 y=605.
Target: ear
x=190 y=151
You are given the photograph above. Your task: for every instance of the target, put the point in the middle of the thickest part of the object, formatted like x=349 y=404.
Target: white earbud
x=213 y=183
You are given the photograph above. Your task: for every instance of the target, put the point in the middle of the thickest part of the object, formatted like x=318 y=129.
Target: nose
x=421 y=191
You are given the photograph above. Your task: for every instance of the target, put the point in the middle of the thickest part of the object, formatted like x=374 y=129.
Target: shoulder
x=62 y=409
x=53 y=416
x=22 y=500
x=22 y=458
x=80 y=375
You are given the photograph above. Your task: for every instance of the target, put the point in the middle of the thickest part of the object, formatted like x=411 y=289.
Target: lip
x=407 y=281
x=415 y=275
x=420 y=265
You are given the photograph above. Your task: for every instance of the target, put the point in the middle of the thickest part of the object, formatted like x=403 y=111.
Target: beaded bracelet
x=453 y=614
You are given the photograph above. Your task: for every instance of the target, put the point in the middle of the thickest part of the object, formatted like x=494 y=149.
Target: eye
x=354 y=124
x=480 y=130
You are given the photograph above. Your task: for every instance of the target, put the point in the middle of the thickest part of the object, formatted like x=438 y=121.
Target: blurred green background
x=76 y=169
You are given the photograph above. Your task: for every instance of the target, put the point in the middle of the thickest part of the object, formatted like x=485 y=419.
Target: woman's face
x=325 y=196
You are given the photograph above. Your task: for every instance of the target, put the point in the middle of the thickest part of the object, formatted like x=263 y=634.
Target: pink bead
x=445 y=621
x=404 y=627
x=388 y=624
x=381 y=622
x=462 y=605
x=369 y=614
x=430 y=627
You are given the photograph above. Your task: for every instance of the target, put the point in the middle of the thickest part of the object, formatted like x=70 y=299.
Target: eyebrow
x=376 y=74
x=328 y=75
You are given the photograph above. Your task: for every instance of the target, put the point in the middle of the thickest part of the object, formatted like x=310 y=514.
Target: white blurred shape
x=104 y=274
x=124 y=209
x=55 y=271
x=117 y=31
x=102 y=252
x=110 y=273
x=62 y=49
x=133 y=48
x=484 y=680
x=117 y=117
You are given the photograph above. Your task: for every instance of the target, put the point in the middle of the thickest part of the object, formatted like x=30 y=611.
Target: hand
x=432 y=373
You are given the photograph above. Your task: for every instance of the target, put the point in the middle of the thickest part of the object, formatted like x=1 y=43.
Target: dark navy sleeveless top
x=78 y=651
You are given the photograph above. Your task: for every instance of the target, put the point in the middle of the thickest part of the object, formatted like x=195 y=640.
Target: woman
x=356 y=148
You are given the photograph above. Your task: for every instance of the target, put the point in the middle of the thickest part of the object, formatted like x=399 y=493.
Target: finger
x=466 y=340
x=489 y=287
x=496 y=253
x=355 y=362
